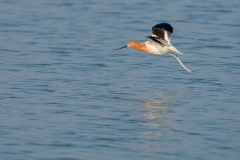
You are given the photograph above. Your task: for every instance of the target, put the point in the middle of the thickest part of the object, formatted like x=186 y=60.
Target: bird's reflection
x=158 y=112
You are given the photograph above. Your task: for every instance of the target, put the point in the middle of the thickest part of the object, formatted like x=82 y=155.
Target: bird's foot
x=189 y=71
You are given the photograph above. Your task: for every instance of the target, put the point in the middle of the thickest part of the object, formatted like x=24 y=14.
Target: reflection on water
x=159 y=111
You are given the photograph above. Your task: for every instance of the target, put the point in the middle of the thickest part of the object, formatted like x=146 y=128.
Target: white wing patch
x=166 y=37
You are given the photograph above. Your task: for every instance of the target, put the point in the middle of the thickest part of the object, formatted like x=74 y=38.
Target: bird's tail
x=173 y=49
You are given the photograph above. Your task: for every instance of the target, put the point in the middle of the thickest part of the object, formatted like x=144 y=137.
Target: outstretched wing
x=162 y=31
x=161 y=41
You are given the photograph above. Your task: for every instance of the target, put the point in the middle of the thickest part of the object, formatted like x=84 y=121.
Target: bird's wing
x=160 y=41
x=162 y=30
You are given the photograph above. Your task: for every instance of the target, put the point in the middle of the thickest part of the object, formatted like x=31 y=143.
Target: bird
x=158 y=43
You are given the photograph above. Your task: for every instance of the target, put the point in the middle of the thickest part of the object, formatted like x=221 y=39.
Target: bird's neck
x=140 y=47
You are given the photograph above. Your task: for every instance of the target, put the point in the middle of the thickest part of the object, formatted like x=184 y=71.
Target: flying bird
x=158 y=43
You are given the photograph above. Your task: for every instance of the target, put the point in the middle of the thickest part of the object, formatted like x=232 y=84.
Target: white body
x=156 y=48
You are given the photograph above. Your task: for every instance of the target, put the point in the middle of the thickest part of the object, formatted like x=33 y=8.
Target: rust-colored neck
x=136 y=45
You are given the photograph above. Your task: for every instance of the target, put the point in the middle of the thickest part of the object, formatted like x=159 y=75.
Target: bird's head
x=130 y=44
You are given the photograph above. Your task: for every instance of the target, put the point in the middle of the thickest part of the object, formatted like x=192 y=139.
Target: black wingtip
x=164 y=26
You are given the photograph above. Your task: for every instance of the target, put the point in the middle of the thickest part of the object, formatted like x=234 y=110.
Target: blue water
x=66 y=95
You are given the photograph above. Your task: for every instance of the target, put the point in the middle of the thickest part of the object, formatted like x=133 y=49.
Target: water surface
x=65 y=94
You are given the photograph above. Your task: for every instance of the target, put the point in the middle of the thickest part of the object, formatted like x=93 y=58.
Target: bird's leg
x=188 y=70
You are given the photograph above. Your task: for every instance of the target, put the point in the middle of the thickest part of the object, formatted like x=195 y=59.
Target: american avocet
x=158 y=43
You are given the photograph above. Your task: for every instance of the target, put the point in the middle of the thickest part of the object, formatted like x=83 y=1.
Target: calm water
x=65 y=94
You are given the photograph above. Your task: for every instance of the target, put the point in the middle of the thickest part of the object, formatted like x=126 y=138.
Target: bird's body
x=151 y=47
x=158 y=43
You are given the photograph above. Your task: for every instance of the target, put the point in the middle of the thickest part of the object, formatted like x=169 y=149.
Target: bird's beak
x=120 y=48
